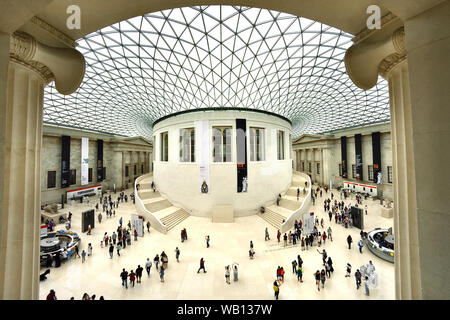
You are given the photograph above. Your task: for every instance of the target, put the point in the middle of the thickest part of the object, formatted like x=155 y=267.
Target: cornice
x=39 y=23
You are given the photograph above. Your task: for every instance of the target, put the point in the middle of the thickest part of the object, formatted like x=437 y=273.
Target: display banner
x=357 y=217
x=344 y=156
x=376 y=152
x=202 y=132
x=87 y=219
x=308 y=223
x=84 y=161
x=358 y=157
x=137 y=224
x=65 y=161
x=241 y=155
x=100 y=160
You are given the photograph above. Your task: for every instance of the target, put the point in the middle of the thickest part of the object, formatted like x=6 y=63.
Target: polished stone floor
x=229 y=243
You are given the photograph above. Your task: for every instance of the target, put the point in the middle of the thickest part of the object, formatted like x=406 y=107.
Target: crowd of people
x=121 y=237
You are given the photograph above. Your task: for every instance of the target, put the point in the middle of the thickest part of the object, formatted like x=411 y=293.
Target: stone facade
x=118 y=154
x=322 y=153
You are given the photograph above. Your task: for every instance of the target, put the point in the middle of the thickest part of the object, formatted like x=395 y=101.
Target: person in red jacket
x=51 y=295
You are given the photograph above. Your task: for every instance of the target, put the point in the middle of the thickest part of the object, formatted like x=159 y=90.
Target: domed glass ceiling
x=215 y=56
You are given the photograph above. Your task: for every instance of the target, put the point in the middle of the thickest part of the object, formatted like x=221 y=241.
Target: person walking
x=89 y=230
x=285 y=239
x=358 y=278
x=330 y=235
x=177 y=253
x=202 y=266
x=83 y=256
x=227 y=274
x=120 y=221
x=294 y=266
x=148 y=266
x=267 y=234
x=317 y=277
x=299 y=274
x=366 y=286
x=148 y=226
x=278 y=236
x=118 y=249
x=161 y=273
x=77 y=253
x=349 y=241
x=276 y=289
x=114 y=237
x=89 y=253
x=139 y=270
x=324 y=255
x=360 y=245
x=124 y=277
x=111 y=251
x=323 y=278
x=132 y=278
x=328 y=269
x=365 y=209
x=156 y=261
x=207 y=241
x=348 y=269
x=235 y=271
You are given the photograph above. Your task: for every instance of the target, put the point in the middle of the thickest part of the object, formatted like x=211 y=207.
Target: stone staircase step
x=157 y=206
x=148 y=194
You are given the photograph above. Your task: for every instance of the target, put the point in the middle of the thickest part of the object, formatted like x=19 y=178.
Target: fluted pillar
x=21 y=107
x=407 y=269
x=22 y=129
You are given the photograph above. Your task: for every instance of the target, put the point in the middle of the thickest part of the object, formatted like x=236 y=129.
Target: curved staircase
x=275 y=215
x=159 y=207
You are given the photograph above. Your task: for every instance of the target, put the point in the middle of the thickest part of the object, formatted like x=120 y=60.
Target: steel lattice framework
x=150 y=66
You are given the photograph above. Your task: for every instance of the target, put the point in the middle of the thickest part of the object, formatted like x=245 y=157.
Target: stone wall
x=113 y=148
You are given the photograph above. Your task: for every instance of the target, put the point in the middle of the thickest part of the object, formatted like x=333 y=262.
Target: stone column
x=420 y=120
x=31 y=66
x=117 y=169
x=428 y=153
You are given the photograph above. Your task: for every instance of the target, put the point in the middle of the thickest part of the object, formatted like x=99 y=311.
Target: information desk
x=56 y=242
x=381 y=243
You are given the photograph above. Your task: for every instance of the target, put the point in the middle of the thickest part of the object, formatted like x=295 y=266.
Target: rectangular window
x=354 y=170
x=104 y=173
x=221 y=144
x=340 y=169
x=280 y=145
x=90 y=175
x=318 y=167
x=165 y=146
x=51 y=179
x=370 y=175
x=309 y=167
x=135 y=170
x=257 y=144
x=142 y=168
x=389 y=174
x=126 y=171
x=187 y=145
x=73 y=177
x=303 y=166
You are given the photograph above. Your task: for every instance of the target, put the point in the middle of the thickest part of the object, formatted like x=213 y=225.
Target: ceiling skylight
x=215 y=56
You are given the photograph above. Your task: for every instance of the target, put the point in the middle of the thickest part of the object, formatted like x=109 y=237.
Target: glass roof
x=150 y=66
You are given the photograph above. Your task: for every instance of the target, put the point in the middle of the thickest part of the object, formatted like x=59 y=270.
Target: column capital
x=64 y=65
x=366 y=59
